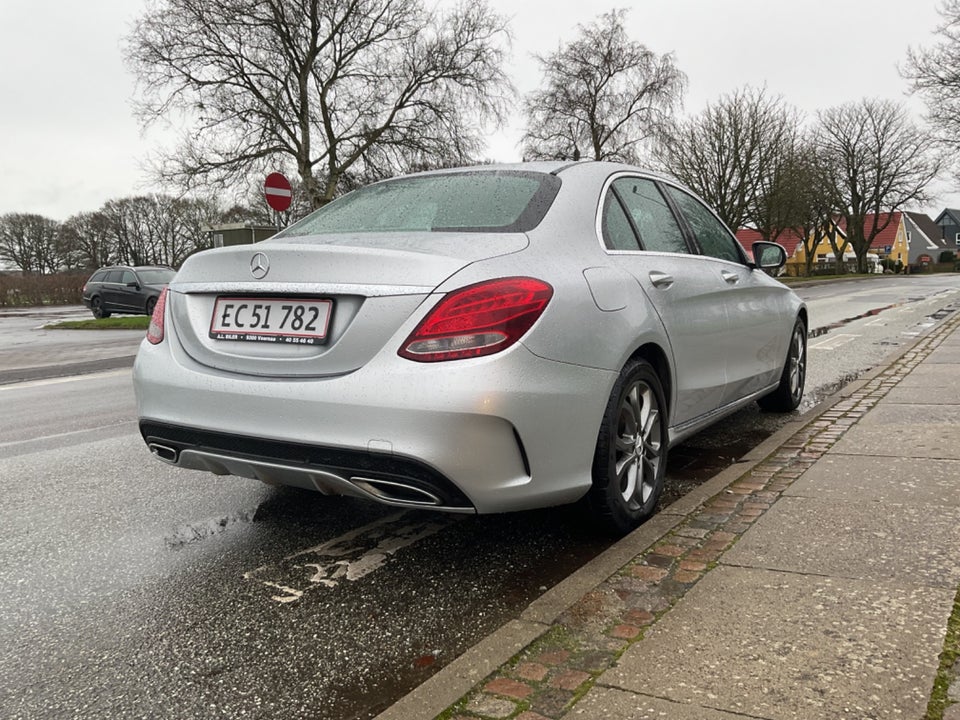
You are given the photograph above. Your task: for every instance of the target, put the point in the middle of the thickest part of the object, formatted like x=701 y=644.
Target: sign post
x=278 y=192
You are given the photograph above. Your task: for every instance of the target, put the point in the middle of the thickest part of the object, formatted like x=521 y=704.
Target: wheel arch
x=657 y=357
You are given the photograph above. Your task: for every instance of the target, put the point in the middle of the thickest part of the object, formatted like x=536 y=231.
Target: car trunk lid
x=370 y=285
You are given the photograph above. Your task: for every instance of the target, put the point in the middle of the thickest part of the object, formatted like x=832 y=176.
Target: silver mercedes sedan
x=473 y=340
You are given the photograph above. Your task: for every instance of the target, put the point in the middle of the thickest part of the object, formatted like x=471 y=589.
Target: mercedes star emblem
x=259 y=266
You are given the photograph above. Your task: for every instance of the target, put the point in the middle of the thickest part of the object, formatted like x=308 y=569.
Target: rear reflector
x=478 y=320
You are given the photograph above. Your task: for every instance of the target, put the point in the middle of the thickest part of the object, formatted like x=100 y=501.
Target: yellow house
x=892 y=242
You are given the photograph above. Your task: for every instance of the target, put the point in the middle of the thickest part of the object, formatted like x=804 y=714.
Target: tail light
x=155 y=331
x=478 y=320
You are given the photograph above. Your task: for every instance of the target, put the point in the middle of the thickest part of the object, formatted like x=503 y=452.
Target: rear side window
x=617 y=232
x=156 y=276
x=714 y=239
x=460 y=202
x=98 y=276
x=651 y=216
x=114 y=276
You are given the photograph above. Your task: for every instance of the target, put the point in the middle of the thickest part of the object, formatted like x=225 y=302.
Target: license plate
x=290 y=320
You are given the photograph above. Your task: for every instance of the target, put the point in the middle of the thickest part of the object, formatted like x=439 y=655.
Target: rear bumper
x=332 y=471
x=507 y=432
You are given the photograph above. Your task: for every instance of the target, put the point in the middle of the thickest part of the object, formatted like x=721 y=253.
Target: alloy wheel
x=798 y=361
x=638 y=444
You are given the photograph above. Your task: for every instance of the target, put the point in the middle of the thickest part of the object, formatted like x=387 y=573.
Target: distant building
x=238 y=234
x=924 y=239
x=949 y=223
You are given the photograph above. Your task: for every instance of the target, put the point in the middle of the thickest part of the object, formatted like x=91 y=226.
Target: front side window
x=457 y=202
x=128 y=277
x=714 y=239
x=651 y=216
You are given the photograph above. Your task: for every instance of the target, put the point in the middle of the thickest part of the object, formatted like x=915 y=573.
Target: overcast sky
x=68 y=141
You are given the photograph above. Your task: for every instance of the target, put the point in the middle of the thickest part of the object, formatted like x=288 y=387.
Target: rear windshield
x=156 y=277
x=495 y=201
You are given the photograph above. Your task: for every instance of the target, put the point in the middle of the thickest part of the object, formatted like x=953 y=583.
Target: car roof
x=134 y=267
x=553 y=167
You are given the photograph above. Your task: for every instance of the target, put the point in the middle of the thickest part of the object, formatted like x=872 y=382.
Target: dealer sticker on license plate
x=289 y=320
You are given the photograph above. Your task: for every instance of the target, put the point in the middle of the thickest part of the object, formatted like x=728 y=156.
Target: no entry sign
x=278 y=191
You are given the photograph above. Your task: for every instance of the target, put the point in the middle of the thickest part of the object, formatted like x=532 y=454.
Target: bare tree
x=88 y=237
x=157 y=229
x=935 y=74
x=877 y=162
x=328 y=87
x=602 y=96
x=736 y=154
x=30 y=242
x=812 y=207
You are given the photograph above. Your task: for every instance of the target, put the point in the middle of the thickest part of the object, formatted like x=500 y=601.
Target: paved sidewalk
x=813 y=580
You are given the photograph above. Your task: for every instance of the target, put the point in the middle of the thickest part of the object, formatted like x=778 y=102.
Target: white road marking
x=350 y=557
x=833 y=342
x=69 y=433
x=61 y=380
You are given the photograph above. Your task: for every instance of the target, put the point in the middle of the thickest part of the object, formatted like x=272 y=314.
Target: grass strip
x=949 y=671
x=134 y=322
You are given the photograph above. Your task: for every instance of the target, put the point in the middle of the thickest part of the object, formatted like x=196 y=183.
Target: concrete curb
x=461 y=676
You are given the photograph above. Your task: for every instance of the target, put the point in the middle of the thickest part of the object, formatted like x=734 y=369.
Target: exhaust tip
x=164 y=452
x=397 y=492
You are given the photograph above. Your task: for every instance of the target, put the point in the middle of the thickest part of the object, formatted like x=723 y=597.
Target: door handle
x=661 y=280
x=731 y=277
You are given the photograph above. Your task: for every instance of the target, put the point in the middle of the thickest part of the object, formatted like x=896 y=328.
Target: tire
x=789 y=392
x=151 y=304
x=96 y=307
x=630 y=460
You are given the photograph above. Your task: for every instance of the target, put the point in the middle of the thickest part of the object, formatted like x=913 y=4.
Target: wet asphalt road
x=119 y=600
x=132 y=589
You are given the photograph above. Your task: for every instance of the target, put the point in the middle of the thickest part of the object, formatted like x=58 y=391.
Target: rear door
x=643 y=236
x=128 y=291
x=110 y=290
x=754 y=344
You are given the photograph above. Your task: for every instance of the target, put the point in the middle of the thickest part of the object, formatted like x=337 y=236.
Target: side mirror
x=769 y=256
x=134 y=284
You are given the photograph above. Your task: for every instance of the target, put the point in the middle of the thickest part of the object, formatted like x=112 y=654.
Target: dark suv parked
x=124 y=289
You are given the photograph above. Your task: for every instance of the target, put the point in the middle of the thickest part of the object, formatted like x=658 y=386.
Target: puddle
x=817 y=395
x=197 y=531
x=823 y=330
x=938 y=315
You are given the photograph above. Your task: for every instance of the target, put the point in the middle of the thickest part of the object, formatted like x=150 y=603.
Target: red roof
x=887 y=236
x=790 y=239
